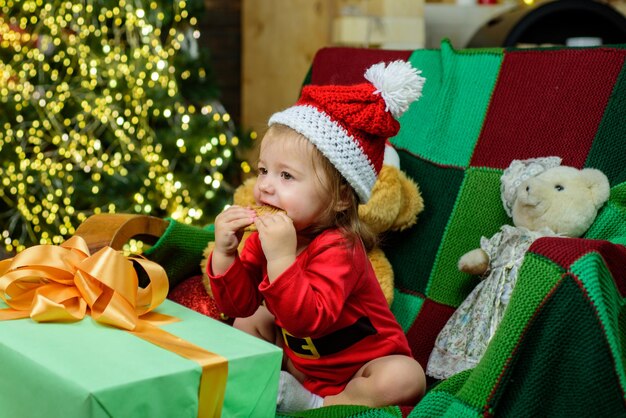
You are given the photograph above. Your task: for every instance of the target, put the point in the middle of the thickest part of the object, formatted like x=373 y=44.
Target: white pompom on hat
x=349 y=125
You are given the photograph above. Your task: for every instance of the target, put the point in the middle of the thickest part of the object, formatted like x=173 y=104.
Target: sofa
x=560 y=349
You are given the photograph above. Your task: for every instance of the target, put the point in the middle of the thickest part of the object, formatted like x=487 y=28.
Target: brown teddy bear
x=394 y=205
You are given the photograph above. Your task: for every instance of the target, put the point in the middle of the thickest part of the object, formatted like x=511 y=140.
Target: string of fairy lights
x=92 y=118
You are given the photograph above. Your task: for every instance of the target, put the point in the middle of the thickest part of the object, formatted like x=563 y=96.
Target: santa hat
x=350 y=124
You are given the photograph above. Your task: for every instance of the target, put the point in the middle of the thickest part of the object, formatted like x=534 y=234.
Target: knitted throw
x=561 y=346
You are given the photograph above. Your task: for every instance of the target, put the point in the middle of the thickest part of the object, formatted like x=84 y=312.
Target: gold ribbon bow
x=58 y=283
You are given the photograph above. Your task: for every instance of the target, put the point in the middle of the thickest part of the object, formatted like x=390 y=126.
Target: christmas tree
x=108 y=106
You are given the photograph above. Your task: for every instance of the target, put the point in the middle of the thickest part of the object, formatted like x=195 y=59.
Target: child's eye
x=262 y=171
x=559 y=188
x=286 y=175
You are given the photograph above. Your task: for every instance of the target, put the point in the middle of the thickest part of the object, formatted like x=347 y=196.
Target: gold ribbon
x=62 y=283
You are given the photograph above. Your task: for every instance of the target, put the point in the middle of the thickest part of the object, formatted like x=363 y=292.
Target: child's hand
x=279 y=241
x=229 y=226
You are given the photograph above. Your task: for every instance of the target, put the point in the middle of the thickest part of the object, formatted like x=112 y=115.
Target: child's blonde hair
x=339 y=192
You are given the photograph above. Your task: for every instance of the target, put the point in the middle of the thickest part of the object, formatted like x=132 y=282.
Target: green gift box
x=85 y=369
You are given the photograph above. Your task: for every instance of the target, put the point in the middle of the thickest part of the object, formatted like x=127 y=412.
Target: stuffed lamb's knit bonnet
x=520 y=171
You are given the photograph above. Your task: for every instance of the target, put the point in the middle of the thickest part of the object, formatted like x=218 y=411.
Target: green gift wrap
x=85 y=369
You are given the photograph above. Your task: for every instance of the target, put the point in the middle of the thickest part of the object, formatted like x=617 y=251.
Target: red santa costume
x=328 y=304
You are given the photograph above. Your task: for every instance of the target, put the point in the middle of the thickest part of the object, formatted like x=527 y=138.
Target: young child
x=308 y=262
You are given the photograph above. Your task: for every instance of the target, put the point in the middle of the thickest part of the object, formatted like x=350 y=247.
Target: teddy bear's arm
x=474 y=262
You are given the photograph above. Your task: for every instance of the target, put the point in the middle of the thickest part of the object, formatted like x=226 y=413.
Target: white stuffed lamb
x=544 y=199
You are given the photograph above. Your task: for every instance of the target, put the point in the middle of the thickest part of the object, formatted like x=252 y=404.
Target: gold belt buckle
x=309 y=346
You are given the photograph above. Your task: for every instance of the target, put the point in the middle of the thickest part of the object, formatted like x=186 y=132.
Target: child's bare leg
x=390 y=380
x=260 y=324
x=292 y=396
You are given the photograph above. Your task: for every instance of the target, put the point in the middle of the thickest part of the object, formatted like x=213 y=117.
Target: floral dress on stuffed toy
x=462 y=342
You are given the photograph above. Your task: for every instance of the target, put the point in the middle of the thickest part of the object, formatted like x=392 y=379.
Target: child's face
x=287 y=179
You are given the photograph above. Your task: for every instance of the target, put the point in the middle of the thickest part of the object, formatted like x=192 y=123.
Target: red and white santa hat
x=350 y=124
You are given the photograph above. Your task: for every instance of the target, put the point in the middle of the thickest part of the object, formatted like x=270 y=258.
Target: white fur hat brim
x=334 y=142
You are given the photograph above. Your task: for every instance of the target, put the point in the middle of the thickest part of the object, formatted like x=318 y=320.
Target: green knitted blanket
x=561 y=347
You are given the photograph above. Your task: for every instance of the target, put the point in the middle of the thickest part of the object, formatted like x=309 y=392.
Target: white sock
x=292 y=396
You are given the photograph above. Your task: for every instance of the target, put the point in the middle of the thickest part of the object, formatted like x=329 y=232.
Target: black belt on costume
x=332 y=343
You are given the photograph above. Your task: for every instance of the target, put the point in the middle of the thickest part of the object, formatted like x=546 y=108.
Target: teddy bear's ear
x=598 y=184
x=412 y=204
x=380 y=212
